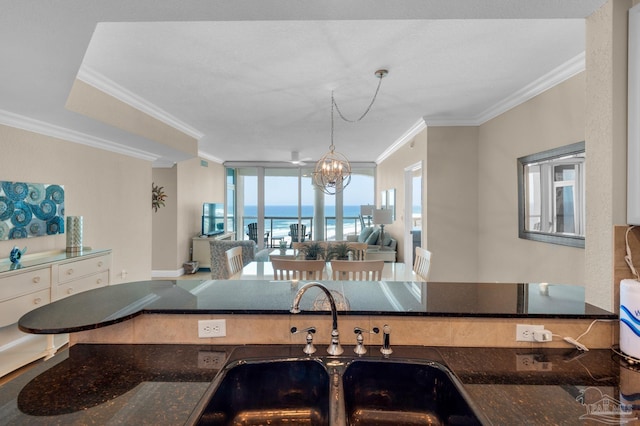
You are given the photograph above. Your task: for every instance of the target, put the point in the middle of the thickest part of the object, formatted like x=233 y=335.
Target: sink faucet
x=334 y=348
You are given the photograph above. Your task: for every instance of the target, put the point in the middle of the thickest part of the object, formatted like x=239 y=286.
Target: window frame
x=549 y=155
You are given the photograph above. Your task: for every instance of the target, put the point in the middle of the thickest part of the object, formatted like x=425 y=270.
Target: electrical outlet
x=211 y=360
x=524 y=332
x=212 y=328
x=531 y=362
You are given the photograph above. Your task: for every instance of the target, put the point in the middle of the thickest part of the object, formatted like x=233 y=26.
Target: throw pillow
x=372 y=239
x=386 y=240
x=364 y=234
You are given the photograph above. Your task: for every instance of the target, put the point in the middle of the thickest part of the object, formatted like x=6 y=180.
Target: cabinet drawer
x=72 y=270
x=11 y=310
x=24 y=283
x=83 y=284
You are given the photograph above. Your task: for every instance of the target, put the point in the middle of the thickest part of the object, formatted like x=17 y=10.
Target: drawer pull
x=70 y=290
x=36 y=280
x=100 y=264
x=70 y=271
x=99 y=281
x=37 y=301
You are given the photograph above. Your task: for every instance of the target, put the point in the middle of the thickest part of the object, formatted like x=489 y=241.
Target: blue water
x=292 y=211
x=280 y=228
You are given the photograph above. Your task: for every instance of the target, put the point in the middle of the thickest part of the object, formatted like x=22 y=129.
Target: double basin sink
x=335 y=391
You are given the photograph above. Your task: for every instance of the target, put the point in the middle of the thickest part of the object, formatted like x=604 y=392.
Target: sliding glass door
x=275 y=198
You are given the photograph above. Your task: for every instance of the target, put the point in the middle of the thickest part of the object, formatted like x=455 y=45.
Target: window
x=551 y=196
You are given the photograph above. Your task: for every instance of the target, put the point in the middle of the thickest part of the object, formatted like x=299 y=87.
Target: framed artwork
x=30 y=210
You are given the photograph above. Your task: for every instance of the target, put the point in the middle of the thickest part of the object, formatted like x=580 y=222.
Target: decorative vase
x=74 y=234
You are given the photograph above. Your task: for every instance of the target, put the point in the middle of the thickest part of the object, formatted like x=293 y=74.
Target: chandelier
x=333 y=172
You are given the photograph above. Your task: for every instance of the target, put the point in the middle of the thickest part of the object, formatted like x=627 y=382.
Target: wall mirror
x=551 y=205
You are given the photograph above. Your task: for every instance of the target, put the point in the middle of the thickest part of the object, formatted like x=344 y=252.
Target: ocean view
x=280 y=227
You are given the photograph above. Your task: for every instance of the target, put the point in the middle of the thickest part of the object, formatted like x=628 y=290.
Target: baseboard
x=167 y=274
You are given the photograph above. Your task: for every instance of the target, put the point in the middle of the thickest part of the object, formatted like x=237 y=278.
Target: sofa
x=219 y=268
x=371 y=235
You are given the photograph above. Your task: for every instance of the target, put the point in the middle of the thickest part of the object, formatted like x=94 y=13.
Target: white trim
x=167 y=273
x=633 y=120
x=419 y=126
x=100 y=82
x=210 y=157
x=556 y=76
x=32 y=125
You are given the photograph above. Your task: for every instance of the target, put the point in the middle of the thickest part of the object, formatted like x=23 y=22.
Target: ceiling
x=251 y=80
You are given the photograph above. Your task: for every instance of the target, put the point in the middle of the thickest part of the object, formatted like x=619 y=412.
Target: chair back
x=357 y=270
x=234 y=260
x=359 y=250
x=422 y=263
x=291 y=269
x=253 y=233
x=297 y=232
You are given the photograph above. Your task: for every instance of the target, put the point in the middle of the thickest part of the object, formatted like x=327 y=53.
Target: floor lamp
x=382 y=217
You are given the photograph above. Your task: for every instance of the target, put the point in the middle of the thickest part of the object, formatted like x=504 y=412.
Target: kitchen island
x=136 y=357
x=162 y=384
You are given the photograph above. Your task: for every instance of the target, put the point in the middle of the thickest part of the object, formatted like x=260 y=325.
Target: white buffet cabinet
x=41 y=279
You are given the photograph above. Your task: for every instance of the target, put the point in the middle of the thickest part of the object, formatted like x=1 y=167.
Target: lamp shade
x=366 y=210
x=382 y=217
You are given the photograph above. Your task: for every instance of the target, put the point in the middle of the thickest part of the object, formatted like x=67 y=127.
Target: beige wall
x=197 y=185
x=165 y=231
x=87 y=100
x=550 y=120
x=452 y=203
x=188 y=185
x=471 y=207
x=111 y=192
x=606 y=141
x=390 y=175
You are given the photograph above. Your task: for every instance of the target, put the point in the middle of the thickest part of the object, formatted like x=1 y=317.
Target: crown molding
x=554 y=77
x=210 y=157
x=419 y=126
x=36 y=126
x=110 y=87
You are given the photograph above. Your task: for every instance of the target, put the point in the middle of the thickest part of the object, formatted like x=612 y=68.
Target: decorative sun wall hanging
x=157 y=197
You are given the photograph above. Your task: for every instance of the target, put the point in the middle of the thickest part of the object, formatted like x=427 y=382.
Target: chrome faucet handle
x=386 y=341
x=360 y=349
x=308 y=348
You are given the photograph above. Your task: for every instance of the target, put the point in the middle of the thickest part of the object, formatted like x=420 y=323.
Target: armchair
x=253 y=233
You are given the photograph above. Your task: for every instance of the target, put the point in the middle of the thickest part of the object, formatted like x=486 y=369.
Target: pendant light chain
x=379 y=74
x=333 y=171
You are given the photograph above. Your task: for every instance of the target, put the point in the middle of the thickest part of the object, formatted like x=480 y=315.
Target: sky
x=283 y=190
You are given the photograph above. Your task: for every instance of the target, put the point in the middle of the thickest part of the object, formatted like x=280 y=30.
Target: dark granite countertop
x=162 y=384
x=112 y=304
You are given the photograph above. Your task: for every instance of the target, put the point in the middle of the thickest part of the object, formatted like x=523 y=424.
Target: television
x=212 y=219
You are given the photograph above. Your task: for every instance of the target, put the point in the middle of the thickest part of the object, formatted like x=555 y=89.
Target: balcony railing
x=278 y=227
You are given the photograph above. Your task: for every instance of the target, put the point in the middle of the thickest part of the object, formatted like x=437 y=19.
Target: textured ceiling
x=252 y=80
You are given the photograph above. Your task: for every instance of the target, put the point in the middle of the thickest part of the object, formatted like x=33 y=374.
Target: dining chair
x=234 y=260
x=291 y=269
x=359 y=250
x=422 y=263
x=357 y=270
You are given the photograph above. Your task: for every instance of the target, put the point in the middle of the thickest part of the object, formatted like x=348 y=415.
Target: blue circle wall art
x=30 y=210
